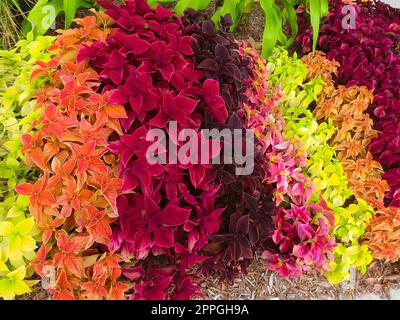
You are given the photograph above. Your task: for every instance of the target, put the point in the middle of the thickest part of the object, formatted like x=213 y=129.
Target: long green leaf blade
x=292 y=17
x=315 y=16
x=41 y=17
x=182 y=5
x=324 y=8
x=70 y=7
x=273 y=25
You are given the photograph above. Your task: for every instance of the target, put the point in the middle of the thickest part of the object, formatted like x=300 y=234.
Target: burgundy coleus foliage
x=217 y=54
x=369 y=55
x=247 y=220
x=166 y=212
x=153 y=283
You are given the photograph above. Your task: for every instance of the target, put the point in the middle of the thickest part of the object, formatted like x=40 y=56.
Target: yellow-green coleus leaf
x=17 y=241
x=13 y=284
x=327 y=173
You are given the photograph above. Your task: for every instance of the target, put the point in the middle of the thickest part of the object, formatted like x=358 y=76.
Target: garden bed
x=317 y=218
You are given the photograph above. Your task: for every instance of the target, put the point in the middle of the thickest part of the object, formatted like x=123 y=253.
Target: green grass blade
x=273 y=26
x=70 y=7
x=315 y=16
x=182 y=5
x=290 y=12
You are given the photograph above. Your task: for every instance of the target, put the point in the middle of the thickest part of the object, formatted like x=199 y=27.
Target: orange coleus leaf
x=74 y=264
x=46 y=236
x=69 y=144
x=42 y=253
x=100 y=273
x=38 y=196
x=24 y=189
x=70 y=244
x=117 y=290
x=46 y=198
x=101 y=231
x=89 y=21
x=94 y=291
x=44 y=68
x=38 y=158
x=111 y=261
x=115 y=111
x=99 y=224
x=63 y=169
x=50 y=149
x=64 y=289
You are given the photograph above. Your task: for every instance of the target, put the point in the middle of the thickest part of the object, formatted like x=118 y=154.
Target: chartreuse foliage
x=17 y=231
x=303 y=231
x=322 y=166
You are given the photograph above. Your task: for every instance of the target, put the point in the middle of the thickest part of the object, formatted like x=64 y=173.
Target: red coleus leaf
x=164 y=237
x=173 y=216
x=197 y=174
x=176 y=108
x=37 y=157
x=24 y=189
x=215 y=103
x=146 y=65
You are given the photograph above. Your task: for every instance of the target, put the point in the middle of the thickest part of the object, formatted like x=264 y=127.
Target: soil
x=381 y=282
x=251 y=25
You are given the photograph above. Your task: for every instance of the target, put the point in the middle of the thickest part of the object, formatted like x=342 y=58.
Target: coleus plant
x=302 y=240
x=179 y=210
x=248 y=222
x=182 y=5
x=166 y=212
x=322 y=165
x=373 y=63
x=18 y=234
x=369 y=56
x=280 y=16
x=74 y=200
x=347 y=109
x=248 y=201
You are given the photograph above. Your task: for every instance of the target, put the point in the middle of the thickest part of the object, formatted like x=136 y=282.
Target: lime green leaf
x=6 y=228
x=25 y=226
